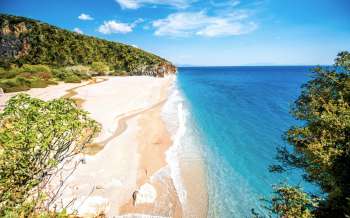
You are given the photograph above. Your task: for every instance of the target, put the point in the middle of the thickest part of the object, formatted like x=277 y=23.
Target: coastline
x=156 y=194
x=185 y=157
x=129 y=169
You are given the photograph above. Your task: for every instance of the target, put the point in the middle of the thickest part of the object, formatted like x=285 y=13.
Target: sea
x=233 y=119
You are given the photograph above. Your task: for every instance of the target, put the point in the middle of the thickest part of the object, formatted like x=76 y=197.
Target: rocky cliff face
x=160 y=70
x=26 y=41
x=13 y=46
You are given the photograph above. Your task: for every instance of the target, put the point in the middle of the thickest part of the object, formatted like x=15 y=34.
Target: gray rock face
x=155 y=70
x=13 y=46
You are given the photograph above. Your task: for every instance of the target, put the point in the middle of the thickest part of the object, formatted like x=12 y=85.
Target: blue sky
x=212 y=32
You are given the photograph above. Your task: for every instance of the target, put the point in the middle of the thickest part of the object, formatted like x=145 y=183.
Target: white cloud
x=135 y=46
x=77 y=30
x=112 y=26
x=135 y=4
x=200 y=23
x=83 y=16
x=229 y=3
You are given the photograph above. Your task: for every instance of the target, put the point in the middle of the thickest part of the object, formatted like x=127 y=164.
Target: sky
x=207 y=33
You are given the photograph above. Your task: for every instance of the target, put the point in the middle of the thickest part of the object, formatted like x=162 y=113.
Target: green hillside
x=28 y=41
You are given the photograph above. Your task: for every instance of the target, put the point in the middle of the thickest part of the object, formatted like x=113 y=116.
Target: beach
x=127 y=170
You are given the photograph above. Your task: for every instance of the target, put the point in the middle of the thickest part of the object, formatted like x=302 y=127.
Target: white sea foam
x=185 y=150
x=173 y=114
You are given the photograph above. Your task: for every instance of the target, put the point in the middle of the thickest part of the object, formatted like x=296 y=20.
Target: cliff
x=27 y=41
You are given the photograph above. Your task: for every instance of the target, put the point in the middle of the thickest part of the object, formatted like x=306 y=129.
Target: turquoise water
x=239 y=115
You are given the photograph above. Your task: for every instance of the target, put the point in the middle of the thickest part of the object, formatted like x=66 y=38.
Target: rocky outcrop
x=13 y=46
x=155 y=70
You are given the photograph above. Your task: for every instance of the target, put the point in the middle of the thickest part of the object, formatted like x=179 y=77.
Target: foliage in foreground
x=290 y=201
x=37 y=139
x=321 y=147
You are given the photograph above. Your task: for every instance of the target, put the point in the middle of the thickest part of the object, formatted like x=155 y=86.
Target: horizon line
x=287 y=65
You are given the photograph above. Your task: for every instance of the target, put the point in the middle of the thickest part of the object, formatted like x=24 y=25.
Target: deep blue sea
x=239 y=115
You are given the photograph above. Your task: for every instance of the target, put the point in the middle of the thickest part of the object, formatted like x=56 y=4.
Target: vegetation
x=320 y=147
x=27 y=41
x=100 y=68
x=37 y=139
x=35 y=54
x=28 y=76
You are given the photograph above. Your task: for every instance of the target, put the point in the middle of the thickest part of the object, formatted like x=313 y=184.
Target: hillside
x=28 y=41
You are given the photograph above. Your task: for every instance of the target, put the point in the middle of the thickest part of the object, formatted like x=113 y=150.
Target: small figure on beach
x=134 y=196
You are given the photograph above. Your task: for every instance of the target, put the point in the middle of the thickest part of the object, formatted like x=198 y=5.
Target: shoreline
x=184 y=157
x=161 y=197
x=127 y=166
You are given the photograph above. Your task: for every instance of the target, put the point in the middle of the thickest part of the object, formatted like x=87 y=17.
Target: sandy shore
x=125 y=173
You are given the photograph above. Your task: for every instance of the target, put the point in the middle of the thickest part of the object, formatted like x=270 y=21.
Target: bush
x=30 y=149
x=7 y=74
x=27 y=71
x=15 y=84
x=59 y=74
x=81 y=71
x=24 y=78
x=291 y=201
x=44 y=75
x=52 y=82
x=100 y=68
x=122 y=73
x=72 y=78
x=26 y=75
x=38 y=83
x=35 y=68
x=119 y=73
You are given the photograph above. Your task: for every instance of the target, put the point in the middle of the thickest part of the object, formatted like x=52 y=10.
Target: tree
x=321 y=147
x=36 y=137
x=289 y=201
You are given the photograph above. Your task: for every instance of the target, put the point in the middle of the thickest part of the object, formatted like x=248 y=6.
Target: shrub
x=291 y=201
x=27 y=71
x=44 y=75
x=79 y=69
x=35 y=68
x=26 y=75
x=59 y=73
x=7 y=74
x=100 y=68
x=122 y=73
x=36 y=136
x=15 y=85
x=38 y=83
x=22 y=81
x=52 y=82
x=72 y=78
x=119 y=73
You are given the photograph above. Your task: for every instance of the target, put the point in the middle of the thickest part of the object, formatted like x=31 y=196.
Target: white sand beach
x=129 y=155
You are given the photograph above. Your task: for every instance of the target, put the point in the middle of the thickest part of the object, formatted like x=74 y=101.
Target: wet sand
x=154 y=140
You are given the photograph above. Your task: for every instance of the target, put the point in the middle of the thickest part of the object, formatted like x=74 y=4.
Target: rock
x=146 y=194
